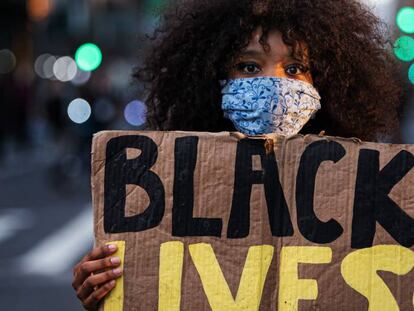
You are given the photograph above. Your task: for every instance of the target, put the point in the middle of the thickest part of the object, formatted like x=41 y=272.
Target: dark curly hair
x=198 y=40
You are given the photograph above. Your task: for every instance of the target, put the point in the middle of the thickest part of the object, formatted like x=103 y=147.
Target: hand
x=94 y=276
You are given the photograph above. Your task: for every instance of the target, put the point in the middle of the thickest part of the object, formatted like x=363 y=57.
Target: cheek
x=308 y=77
x=234 y=74
x=280 y=73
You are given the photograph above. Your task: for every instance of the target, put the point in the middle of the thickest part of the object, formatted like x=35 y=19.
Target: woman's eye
x=295 y=69
x=247 y=68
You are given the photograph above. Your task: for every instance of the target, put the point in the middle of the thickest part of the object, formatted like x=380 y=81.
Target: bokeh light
x=405 y=19
x=88 y=57
x=104 y=110
x=81 y=77
x=39 y=9
x=47 y=67
x=79 y=110
x=7 y=61
x=155 y=6
x=135 y=113
x=38 y=65
x=65 y=69
x=404 y=48
x=411 y=74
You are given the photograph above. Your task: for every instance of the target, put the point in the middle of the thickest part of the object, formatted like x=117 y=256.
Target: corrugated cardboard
x=213 y=221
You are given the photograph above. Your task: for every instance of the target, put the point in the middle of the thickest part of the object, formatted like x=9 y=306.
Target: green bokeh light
x=404 y=48
x=88 y=57
x=411 y=73
x=405 y=19
x=155 y=7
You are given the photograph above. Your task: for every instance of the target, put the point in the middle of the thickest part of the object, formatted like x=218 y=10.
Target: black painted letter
x=183 y=223
x=245 y=177
x=309 y=225
x=373 y=204
x=119 y=172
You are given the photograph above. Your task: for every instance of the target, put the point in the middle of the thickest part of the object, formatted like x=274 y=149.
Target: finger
x=93 y=281
x=97 y=253
x=103 y=265
x=96 y=266
x=101 y=252
x=92 y=301
x=83 y=269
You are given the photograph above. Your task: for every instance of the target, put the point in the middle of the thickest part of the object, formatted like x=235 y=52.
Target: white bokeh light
x=38 y=65
x=79 y=110
x=385 y=9
x=65 y=69
x=47 y=67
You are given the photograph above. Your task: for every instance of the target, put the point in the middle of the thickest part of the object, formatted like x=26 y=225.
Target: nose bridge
x=274 y=69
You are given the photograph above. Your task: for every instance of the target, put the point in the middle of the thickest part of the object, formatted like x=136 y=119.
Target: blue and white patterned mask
x=264 y=105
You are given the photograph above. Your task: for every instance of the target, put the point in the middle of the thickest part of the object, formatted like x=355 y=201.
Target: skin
x=94 y=276
x=275 y=61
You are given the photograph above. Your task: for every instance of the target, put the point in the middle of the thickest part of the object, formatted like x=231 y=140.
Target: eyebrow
x=252 y=53
x=257 y=53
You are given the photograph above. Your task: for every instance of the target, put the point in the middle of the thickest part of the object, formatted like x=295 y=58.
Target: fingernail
x=115 y=260
x=117 y=271
x=112 y=247
x=112 y=283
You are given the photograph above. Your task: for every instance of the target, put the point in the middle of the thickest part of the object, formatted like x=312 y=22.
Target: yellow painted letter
x=171 y=267
x=359 y=270
x=115 y=300
x=215 y=286
x=291 y=288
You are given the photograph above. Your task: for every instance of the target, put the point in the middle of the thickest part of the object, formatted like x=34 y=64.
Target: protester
x=262 y=67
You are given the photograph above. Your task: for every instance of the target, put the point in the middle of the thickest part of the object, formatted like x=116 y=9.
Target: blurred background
x=65 y=73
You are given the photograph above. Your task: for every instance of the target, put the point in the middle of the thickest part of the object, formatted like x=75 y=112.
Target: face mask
x=264 y=105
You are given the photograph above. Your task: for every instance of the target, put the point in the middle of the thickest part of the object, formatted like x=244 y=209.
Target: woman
x=208 y=54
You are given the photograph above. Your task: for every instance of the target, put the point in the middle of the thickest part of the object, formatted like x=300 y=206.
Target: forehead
x=275 y=46
x=273 y=39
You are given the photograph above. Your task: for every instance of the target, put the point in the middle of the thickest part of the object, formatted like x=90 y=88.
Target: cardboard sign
x=218 y=222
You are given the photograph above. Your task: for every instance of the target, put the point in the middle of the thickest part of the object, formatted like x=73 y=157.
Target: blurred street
x=44 y=231
x=65 y=73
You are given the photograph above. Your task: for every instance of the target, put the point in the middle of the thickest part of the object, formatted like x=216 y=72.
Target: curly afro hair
x=198 y=40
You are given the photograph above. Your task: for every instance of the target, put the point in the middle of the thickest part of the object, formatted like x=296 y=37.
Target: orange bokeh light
x=39 y=9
